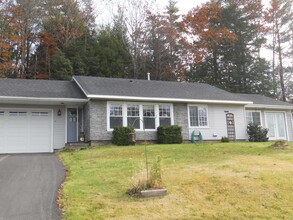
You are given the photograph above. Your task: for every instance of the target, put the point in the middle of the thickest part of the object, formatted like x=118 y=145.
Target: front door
x=72 y=125
x=276 y=125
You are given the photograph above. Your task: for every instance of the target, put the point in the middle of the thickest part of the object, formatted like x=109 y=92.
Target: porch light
x=59 y=112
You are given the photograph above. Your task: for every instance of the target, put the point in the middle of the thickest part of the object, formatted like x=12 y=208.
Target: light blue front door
x=71 y=125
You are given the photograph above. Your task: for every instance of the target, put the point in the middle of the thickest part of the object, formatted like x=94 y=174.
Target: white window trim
x=260 y=115
x=188 y=114
x=124 y=113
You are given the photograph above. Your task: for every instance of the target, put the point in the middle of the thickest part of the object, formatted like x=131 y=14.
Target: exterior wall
x=181 y=119
x=96 y=118
x=217 y=127
x=86 y=121
x=288 y=118
x=58 y=121
x=97 y=130
x=289 y=125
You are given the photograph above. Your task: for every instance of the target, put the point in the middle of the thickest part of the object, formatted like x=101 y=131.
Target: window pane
x=132 y=110
x=115 y=110
x=149 y=123
x=134 y=122
x=164 y=111
x=165 y=121
x=149 y=117
x=256 y=118
x=115 y=121
x=193 y=116
x=202 y=116
x=249 y=117
x=148 y=111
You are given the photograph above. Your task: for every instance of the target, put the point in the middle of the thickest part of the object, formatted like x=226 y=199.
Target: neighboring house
x=43 y=115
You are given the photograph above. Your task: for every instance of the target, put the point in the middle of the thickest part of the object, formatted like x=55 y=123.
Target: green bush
x=121 y=135
x=257 y=133
x=169 y=134
x=225 y=139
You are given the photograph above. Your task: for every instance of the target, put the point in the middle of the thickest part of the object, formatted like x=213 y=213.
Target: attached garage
x=33 y=114
x=26 y=131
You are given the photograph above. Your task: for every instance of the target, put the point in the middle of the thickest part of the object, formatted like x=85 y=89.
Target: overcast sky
x=102 y=7
x=183 y=5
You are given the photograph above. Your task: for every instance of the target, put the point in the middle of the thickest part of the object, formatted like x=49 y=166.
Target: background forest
x=237 y=45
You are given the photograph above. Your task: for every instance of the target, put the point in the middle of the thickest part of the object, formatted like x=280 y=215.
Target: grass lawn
x=204 y=181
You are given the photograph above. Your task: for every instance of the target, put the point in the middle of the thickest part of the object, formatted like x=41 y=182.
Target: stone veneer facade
x=95 y=120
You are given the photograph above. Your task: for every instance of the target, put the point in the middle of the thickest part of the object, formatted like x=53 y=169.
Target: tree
x=61 y=68
x=280 y=16
x=164 y=44
x=133 y=15
x=114 y=59
x=227 y=37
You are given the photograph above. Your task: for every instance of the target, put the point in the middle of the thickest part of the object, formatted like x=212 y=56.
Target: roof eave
x=40 y=99
x=262 y=106
x=78 y=84
x=133 y=98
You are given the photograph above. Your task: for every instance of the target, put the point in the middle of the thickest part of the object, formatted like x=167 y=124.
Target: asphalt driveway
x=29 y=185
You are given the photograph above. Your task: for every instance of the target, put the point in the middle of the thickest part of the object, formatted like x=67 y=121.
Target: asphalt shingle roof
x=40 y=88
x=263 y=100
x=151 y=88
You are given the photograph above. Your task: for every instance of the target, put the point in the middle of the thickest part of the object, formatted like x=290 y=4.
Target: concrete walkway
x=29 y=185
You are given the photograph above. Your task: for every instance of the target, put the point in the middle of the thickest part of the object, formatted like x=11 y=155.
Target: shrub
x=121 y=135
x=169 y=134
x=225 y=139
x=257 y=133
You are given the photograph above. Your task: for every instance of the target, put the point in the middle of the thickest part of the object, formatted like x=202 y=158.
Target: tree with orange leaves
x=225 y=39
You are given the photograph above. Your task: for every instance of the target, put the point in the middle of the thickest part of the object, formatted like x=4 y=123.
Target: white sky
x=102 y=8
x=183 y=5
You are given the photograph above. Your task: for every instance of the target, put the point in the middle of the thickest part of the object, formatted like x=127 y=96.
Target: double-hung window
x=198 y=116
x=133 y=118
x=253 y=117
x=139 y=115
x=149 y=118
x=165 y=114
x=116 y=117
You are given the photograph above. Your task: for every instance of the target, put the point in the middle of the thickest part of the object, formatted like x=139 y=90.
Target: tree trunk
x=281 y=70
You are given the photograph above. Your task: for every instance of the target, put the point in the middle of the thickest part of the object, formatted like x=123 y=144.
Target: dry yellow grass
x=208 y=181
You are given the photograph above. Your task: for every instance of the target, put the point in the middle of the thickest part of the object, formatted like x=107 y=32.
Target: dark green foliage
x=237 y=67
x=114 y=59
x=257 y=133
x=169 y=134
x=61 y=68
x=225 y=139
x=121 y=135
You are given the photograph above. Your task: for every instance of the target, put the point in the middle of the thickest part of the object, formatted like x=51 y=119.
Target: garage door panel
x=2 y=130
x=25 y=131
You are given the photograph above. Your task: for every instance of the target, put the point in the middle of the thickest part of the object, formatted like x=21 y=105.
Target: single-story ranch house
x=43 y=115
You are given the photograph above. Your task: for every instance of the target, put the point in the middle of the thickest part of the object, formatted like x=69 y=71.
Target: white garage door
x=25 y=131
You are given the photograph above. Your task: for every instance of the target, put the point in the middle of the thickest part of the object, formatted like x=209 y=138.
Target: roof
x=264 y=100
x=29 y=88
x=135 y=89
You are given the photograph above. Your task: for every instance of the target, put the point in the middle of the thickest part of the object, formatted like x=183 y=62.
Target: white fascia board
x=15 y=98
x=132 y=98
x=269 y=106
x=76 y=81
